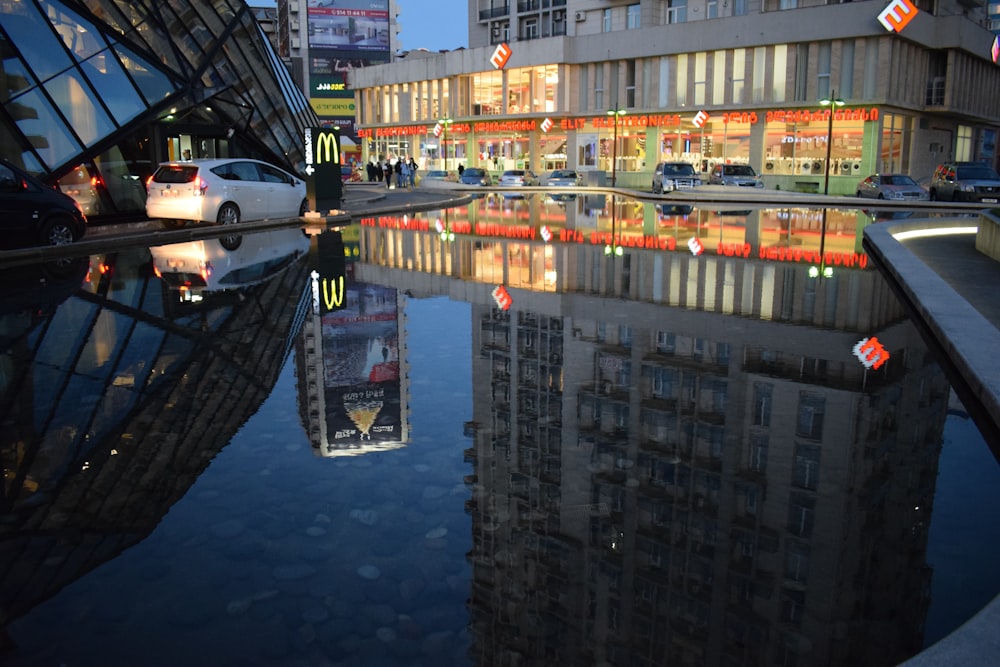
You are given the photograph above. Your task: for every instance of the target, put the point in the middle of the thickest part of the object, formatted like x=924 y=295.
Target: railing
x=493 y=12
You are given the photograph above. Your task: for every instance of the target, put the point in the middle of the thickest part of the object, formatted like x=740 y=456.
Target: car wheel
x=655 y=191
x=231 y=241
x=229 y=214
x=303 y=207
x=57 y=231
x=881 y=196
x=933 y=195
x=858 y=194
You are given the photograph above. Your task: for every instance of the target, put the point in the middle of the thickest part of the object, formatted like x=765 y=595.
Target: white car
x=225 y=191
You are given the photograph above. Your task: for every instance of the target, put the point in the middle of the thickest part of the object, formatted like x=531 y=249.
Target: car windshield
x=513 y=172
x=898 y=180
x=678 y=170
x=473 y=172
x=978 y=172
x=738 y=170
x=563 y=174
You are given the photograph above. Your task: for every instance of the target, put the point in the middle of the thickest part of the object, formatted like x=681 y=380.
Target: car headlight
x=968 y=188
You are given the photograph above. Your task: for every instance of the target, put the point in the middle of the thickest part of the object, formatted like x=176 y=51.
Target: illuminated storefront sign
x=500 y=56
x=695 y=246
x=700 y=119
x=332 y=106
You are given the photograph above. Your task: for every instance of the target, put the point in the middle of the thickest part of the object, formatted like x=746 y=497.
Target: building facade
x=96 y=94
x=703 y=83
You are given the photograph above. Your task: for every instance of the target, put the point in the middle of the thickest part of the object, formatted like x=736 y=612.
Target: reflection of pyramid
x=363 y=415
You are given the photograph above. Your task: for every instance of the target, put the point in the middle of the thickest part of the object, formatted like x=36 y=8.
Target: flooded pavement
x=340 y=448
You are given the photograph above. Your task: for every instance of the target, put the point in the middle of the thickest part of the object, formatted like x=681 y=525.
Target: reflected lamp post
x=445 y=122
x=615 y=113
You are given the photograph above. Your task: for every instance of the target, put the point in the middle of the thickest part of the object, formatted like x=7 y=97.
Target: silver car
x=518 y=177
x=674 y=176
x=741 y=175
x=891 y=186
x=564 y=178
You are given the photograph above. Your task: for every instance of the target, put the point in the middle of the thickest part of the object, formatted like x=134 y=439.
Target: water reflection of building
x=351 y=359
x=679 y=458
x=114 y=402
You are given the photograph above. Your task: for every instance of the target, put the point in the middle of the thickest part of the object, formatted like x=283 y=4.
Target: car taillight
x=200 y=186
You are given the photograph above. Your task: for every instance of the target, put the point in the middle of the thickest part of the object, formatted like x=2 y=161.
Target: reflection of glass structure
x=114 y=401
x=695 y=485
x=100 y=102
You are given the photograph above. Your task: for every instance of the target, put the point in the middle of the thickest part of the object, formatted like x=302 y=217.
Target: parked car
x=32 y=213
x=891 y=186
x=475 y=176
x=674 y=176
x=965 y=181
x=564 y=178
x=439 y=175
x=742 y=175
x=520 y=177
x=226 y=191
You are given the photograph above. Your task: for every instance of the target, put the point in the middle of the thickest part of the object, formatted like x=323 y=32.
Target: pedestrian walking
x=387 y=173
x=404 y=173
x=398 y=169
x=413 y=172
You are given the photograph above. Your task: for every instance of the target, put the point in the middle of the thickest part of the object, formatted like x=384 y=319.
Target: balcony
x=494 y=12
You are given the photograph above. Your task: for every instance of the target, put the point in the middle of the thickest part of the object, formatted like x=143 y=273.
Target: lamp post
x=833 y=102
x=615 y=113
x=445 y=122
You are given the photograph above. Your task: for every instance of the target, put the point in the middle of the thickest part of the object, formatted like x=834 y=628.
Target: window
x=758 y=452
x=606 y=21
x=739 y=7
x=788 y=4
x=530 y=29
x=810 y=417
x=806 y=472
x=739 y=72
x=599 y=86
x=676 y=11
x=823 y=70
x=666 y=342
x=963 y=143
x=629 y=84
x=632 y=17
x=663 y=382
x=700 y=73
x=761 y=404
x=801 y=511
x=712 y=9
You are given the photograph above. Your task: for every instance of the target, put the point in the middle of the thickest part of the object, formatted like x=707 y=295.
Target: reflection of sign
x=333 y=293
x=547 y=125
x=695 y=245
x=995 y=51
x=500 y=56
x=871 y=353
x=700 y=118
x=502 y=297
x=897 y=15
x=546 y=233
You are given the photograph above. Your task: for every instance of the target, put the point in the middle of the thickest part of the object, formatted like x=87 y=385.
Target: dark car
x=674 y=176
x=965 y=181
x=32 y=213
x=475 y=176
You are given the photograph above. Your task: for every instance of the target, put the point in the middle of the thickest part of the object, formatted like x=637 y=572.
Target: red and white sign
x=438 y=225
x=437 y=129
x=500 y=56
x=546 y=233
x=700 y=119
x=695 y=245
x=871 y=353
x=995 y=51
x=897 y=15
x=502 y=297
x=547 y=125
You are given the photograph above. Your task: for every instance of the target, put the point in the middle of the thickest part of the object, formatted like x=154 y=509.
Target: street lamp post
x=615 y=113
x=445 y=122
x=833 y=102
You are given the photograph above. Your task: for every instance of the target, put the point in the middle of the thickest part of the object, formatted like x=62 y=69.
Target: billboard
x=361 y=380
x=349 y=29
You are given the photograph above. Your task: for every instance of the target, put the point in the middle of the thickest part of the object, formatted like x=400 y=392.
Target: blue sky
x=438 y=26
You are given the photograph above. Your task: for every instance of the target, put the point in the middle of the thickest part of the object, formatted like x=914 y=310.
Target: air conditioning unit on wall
x=581 y=16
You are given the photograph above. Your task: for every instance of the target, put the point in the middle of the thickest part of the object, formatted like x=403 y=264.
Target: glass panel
x=79 y=36
x=113 y=86
x=31 y=33
x=153 y=84
x=73 y=96
x=16 y=76
x=46 y=132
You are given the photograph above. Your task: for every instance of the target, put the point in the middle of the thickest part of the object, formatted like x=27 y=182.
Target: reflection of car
x=564 y=178
x=32 y=213
x=741 y=175
x=666 y=209
x=226 y=191
x=82 y=187
x=965 y=181
x=39 y=288
x=210 y=265
x=475 y=176
x=674 y=176
x=891 y=186
x=518 y=177
x=439 y=175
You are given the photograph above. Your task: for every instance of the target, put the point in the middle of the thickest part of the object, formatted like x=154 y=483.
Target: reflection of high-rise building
x=679 y=459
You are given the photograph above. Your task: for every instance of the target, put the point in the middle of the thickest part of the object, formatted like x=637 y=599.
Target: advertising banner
x=323 y=174
x=350 y=29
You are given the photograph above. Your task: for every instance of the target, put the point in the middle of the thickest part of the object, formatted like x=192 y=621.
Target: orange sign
x=897 y=15
x=502 y=297
x=871 y=353
x=547 y=125
x=500 y=56
x=700 y=119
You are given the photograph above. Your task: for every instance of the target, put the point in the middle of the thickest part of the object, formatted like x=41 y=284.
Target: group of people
x=402 y=170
